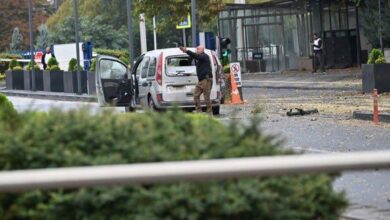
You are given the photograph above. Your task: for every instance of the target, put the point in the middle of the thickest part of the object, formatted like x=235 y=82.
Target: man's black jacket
x=203 y=65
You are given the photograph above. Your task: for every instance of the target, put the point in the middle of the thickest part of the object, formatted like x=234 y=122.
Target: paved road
x=370 y=188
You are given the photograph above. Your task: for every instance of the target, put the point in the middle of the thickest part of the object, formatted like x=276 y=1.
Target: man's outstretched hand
x=183 y=49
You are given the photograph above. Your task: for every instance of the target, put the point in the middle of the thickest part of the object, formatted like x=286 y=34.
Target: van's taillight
x=219 y=74
x=159 y=69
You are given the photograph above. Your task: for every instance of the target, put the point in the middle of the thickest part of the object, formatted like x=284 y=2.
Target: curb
x=301 y=87
x=359 y=212
x=50 y=95
x=368 y=116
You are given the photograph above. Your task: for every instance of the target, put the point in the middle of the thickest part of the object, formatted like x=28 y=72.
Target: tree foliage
x=97 y=31
x=43 y=37
x=81 y=138
x=16 y=44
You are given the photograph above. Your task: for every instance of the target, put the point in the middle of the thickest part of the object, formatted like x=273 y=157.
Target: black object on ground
x=301 y=112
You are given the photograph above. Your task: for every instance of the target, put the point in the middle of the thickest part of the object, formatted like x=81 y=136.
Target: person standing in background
x=46 y=56
x=318 y=58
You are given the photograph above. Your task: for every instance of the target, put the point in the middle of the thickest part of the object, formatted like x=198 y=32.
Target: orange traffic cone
x=236 y=99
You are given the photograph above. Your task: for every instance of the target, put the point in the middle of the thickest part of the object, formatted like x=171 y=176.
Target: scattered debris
x=301 y=112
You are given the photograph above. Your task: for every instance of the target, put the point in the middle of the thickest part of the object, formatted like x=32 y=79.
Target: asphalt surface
x=311 y=134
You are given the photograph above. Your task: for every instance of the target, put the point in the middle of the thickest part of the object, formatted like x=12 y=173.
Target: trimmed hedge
x=5 y=65
x=78 y=138
x=114 y=53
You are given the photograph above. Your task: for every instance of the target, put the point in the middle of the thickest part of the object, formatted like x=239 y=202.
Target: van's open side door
x=113 y=84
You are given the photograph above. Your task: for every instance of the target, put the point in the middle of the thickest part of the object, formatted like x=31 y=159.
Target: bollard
x=375 y=115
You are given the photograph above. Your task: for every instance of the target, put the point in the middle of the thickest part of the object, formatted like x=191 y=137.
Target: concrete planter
x=38 y=80
x=376 y=76
x=14 y=79
x=91 y=82
x=53 y=81
x=70 y=82
x=305 y=63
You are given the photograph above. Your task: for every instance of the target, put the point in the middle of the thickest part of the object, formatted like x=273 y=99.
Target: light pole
x=76 y=29
x=130 y=32
x=30 y=24
x=380 y=25
x=193 y=18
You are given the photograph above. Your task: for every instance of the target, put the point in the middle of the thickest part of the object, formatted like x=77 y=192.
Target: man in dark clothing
x=46 y=56
x=205 y=77
x=318 y=58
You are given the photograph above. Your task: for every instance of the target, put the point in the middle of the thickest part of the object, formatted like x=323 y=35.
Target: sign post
x=235 y=70
x=184 y=25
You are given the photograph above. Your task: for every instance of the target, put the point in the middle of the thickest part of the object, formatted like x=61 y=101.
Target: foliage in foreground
x=77 y=138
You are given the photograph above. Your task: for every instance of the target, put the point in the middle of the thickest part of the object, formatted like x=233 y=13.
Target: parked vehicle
x=160 y=79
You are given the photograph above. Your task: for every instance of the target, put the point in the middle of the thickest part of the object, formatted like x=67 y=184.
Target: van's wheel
x=216 y=110
x=151 y=104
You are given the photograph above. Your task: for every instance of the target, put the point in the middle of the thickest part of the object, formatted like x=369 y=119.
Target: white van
x=160 y=79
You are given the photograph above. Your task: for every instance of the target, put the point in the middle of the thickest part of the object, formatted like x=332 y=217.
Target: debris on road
x=301 y=112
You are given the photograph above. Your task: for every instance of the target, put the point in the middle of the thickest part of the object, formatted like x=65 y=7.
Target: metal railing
x=202 y=170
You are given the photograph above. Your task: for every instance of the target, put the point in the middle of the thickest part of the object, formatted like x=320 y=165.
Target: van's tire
x=216 y=110
x=151 y=104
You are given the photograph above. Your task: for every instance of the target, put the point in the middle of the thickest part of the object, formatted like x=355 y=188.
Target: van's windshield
x=180 y=66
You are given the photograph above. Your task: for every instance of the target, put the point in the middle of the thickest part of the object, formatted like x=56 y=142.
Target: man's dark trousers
x=318 y=60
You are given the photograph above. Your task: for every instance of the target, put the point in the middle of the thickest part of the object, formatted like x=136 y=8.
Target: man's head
x=315 y=36
x=48 y=49
x=200 y=49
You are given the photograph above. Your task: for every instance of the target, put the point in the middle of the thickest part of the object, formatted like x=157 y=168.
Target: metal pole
x=130 y=32
x=30 y=26
x=76 y=29
x=201 y=170
x=184 y=37
x=154 y=33
x=380 y=25
x=193 y=18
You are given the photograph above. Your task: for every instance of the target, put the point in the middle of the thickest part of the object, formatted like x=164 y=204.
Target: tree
x=43 y=37
x=369 y=18
x=16 y=44
x=95 y=30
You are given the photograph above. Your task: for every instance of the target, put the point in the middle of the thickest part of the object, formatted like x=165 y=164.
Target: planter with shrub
x=38 y=73
x=15 y=76
x=70 y=78
x=53 y=78
x=376 y=73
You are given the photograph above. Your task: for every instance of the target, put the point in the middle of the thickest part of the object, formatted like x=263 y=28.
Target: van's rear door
x=113 y=86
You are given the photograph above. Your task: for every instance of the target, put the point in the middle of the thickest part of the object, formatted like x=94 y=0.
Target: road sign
x=185 y=24
x=257 y=56
x=235 y=69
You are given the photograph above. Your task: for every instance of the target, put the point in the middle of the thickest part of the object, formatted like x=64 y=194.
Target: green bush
x=17 y=68
x=374 y=55
x=93 y=65
x=81 y=138
x=4 y=65
x=380 y=60
x=31 y=64
x=125 y=60
x=54 y=68
x=52 y=62
x=13 y=64
x=72 y=64
x=226 y=69
x=114 y=53
x=8 y=116
x=2 y=76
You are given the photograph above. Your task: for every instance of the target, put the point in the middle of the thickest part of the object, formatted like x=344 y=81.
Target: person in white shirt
x=318 y=58
x=46 y=56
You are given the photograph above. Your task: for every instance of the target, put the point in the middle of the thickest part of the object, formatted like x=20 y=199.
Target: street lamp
x=30 y=24
x=130 y=32
x=380 y=25
x=76 y=29
x=193 y=16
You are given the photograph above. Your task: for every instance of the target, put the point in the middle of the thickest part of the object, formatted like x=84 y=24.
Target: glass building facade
x=281 y=31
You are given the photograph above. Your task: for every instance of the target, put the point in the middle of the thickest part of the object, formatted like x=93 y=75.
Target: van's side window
x=152 y=67
x=145 y=66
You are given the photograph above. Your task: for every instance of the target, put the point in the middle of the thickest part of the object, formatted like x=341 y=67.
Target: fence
x=165 y=172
